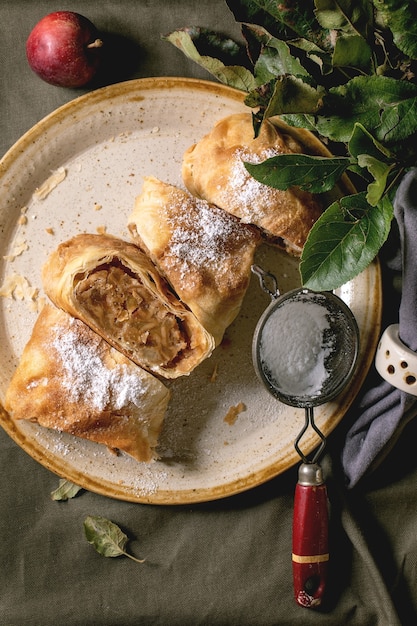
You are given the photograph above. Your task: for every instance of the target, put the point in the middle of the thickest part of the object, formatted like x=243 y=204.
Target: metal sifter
x=305 y=349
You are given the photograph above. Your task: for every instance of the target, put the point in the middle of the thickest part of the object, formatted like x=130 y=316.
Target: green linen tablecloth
x=225 y=563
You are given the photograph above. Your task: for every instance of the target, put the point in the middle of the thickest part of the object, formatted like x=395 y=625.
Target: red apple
x=64 y=49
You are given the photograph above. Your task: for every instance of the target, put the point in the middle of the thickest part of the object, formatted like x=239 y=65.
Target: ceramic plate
x=223 y=433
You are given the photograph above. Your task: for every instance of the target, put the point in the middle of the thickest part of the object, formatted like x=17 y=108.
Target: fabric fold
x=382 y=409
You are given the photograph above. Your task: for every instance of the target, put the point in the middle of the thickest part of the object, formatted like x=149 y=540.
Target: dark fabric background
x=225 y=563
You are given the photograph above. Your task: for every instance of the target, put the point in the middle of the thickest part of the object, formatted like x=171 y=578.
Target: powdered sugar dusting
x=294 y=348
x=252 y=198
x=88 y=378
x=149 y=480
x=145 y=479
x=202 y=234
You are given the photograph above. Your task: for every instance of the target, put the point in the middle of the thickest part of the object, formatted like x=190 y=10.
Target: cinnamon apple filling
x=117 y=301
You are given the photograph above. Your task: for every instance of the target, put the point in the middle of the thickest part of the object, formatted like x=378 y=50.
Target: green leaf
x=363 y=142
x=385 y=106
x=314 y=174
x=252 y=12
x=65 y=490
x=352 y=20
x=379 y=171
x=293 y=95
x=300 y=120
x=352 y=51
x=232 y=75
x=286 y=18
x=323 y=58
x=275 y=58
x=106 y=537
x=344 y=241
x=399 y=117
x=401 y=18
x=350 y=16
x=372 y=156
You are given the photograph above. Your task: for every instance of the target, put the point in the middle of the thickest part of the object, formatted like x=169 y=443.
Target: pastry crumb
x=17 y=287
x=233 y=413
x=214 y=373
x=20 y=247
x=50 y=183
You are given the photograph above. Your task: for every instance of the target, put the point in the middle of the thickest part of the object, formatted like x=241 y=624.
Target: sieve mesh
x=339 y=345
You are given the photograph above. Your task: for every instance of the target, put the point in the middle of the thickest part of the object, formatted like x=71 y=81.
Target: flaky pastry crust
x=213 y=169
x=204 y=252
x=113 y=287
x=69 y=379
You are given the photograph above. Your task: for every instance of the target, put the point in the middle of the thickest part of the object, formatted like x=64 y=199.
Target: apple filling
x=116 y=300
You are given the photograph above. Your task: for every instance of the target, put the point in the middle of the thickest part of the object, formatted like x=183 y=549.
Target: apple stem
x=95 y=44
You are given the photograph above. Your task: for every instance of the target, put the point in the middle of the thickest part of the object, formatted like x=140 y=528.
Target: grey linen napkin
x=382 y=409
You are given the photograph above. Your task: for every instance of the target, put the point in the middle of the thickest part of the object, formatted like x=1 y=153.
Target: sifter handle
x=310 y=551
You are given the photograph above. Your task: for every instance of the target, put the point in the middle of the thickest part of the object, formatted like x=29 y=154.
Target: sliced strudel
x=204 y=252
x=214 y=169
x=115 y=289
x=70 y=379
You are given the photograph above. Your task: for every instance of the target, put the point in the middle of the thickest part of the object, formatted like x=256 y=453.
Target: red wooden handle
x=310 y=545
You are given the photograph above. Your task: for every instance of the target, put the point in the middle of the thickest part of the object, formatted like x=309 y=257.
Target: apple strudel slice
x=69 y=379
x=204 y=252
x=214 y=169
x=113 y=287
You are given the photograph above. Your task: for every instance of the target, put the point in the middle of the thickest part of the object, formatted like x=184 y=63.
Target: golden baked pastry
x=115 y=289
x=204 y=252
x=213 y=169
x=70 y=379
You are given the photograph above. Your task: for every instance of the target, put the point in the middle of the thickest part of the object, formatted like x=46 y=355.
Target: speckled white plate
x=106 y=141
